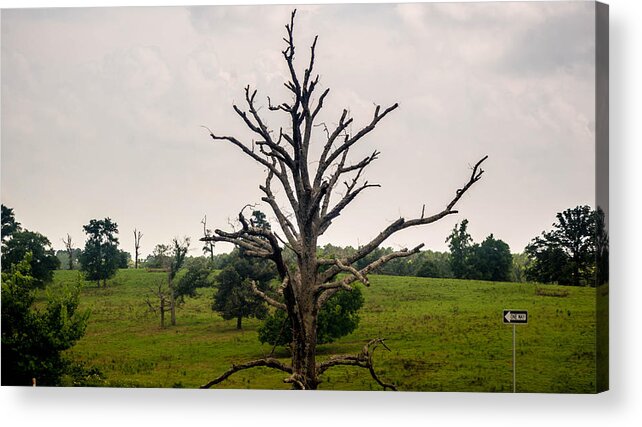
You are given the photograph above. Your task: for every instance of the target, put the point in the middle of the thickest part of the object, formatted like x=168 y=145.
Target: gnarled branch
x=362 y=360
x=268 y=362
x=402 y=224
x=267 y=298
x=326 y=290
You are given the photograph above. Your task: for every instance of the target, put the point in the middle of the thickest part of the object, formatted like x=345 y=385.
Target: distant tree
x=235 y=297
x=198 y=275
x=9 y=223
x=34 y=339
x=179 y=252
x=69 y=247
x=101 y=258
x=433 y=264
x=63 y=257
x=520 y=265
x=460 y=244
x=566 y=254
x=160 y=257
x=208 y=245
x=171 y=261
x=429 y=268
x=243 y=280
x=43 y=259
x=123 y=259
x=491 y=260
x=336 y=319
x=601 y=248
x=137 y=237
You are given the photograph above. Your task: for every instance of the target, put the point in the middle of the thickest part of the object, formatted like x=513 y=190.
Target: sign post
x=515 y=317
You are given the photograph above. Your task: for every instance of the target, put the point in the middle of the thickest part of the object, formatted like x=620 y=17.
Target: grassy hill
x=444 y=335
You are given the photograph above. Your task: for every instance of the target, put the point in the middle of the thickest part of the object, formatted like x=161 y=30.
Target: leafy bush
x=338 y=317
x=33 y=339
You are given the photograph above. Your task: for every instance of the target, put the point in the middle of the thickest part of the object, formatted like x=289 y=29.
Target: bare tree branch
x=402 y=224
x=362 y=360
x=268 y=362
x=326 y=290
x=352 y=140
x=266 y=298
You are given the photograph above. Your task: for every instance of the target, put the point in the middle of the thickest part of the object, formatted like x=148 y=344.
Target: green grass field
x=444 y=335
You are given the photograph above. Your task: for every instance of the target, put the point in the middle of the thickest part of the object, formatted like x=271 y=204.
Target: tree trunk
x=162 y=312
x=172 y=302
x=304 y=343
x=239 y=322
x=303 y=316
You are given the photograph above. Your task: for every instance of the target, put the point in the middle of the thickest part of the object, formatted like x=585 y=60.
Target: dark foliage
x=338 y=318
x=566 y=254
x=33 y=340
x=43 y=260
x=491 y=260
x=235 y=298
x=198 y=275
x=9 y=223
x=101 y=258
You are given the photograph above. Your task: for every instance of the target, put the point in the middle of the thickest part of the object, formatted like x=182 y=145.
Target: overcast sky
x=102 y=108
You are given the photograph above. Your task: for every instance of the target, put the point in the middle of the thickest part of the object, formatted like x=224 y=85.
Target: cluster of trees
x=18 y=242
x=489 y=260
x=575 y=252
x=171 y=294
x=35 y=337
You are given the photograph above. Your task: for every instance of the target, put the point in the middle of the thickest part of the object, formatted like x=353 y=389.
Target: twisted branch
x=362 y=360
x=267 y=362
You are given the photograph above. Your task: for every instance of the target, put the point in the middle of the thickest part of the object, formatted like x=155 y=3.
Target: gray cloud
x=102 y=108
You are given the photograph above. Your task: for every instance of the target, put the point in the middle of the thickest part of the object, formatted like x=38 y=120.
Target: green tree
x=338 y=318
x=172 y=259
x=101 y=258
x=123 y=259
x=159 y=258
x=433 y=264
x=491 y=260
x=43 y=259
x=520 y=265
x=33 y=339
x=601 y=248
x=235 y=297
x=9 y=223
x=198 y=274
x=461 y=250
x=566 y=254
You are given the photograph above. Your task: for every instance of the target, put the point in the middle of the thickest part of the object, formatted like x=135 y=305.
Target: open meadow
x=444 y=335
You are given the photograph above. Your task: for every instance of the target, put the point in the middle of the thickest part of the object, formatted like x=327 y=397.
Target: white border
x=620 y=406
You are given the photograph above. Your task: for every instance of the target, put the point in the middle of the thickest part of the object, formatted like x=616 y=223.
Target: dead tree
x=69 y=247
x=167 y=297
x=137 y=236
x=179 y=252
x=208 y=245
x=315 y=198
x=164 y=303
